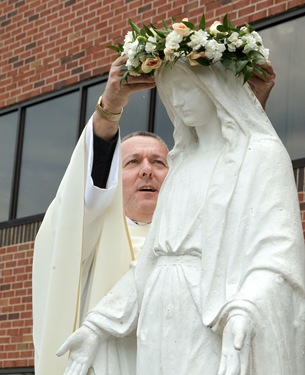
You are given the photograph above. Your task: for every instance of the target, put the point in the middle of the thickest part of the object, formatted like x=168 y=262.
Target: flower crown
x=238 y=49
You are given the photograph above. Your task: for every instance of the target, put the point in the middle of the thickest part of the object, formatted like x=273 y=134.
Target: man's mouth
x=148 y=188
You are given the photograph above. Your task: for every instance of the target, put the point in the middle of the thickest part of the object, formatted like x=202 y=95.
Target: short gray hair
x=143 y=134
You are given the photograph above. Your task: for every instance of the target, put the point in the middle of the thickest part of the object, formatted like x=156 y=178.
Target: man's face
x=144 y=169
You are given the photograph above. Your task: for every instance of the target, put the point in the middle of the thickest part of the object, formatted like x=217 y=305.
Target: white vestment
x=75 y=262
x=232 y=246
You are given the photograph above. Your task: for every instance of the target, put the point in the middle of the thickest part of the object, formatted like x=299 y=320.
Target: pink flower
x=181 y=28
x=193 y=56
x=151 y=64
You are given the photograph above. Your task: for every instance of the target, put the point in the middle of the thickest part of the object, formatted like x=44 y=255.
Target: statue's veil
x=239 y=111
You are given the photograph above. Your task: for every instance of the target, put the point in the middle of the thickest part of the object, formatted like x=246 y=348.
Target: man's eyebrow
x=135 y=155
x=138 y=155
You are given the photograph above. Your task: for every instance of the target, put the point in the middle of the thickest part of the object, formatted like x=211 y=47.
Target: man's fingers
x=121 y=60
x=268 y=68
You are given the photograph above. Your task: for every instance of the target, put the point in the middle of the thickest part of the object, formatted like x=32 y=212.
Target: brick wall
x=47 y=45
x=16 y=348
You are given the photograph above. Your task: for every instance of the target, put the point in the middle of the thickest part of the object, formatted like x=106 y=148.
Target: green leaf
x=260 y=71
x=143 y=32
x=249 y=27
x=202 y=22
x=124 y=77
x=240 y=66
x=253 y=54
x=134 y=27
x=148 y=31
x=222 y=28
x=190 y=25
x=115 y=48
x=161 y=33
x=247 y=74
x=165 y=25
x=229 y=64
x=203 y=61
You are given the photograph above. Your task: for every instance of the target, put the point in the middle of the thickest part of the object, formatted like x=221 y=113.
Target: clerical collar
x=133 y=222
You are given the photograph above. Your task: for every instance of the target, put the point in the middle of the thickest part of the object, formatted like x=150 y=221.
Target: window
x=50 y=133
x=8 y=132
x=38 y=138
x=285 y=106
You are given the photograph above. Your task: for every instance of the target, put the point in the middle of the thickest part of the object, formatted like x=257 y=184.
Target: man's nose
x=146 y=169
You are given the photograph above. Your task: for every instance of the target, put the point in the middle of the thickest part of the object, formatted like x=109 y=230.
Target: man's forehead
x=143 y=144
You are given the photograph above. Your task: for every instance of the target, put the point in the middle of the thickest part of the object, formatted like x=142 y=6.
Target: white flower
x=235 y=42
x=128 y=37
x=150 y=45
x=214 y=50
x=132 y=63
x=257 y=37
x=245 y=29
x=172 y=40
x=213 y=28
x=265 y=52
x=169 y=54
x=250 y=43
x=130 y=49
x=198 y=40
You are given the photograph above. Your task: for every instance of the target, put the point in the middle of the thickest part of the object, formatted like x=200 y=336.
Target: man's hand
x=116 y=96
x=262 y=86
x=83 y=345
x=236 y=346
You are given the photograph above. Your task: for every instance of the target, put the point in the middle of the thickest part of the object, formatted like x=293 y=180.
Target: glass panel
x=8 y=132
x=93 y=93
x=163 y=125
x=285 y=106
x=49 y=138
x=136 y=112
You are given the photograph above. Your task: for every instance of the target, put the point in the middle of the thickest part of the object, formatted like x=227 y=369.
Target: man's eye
x=133 y=161
x=159 y=162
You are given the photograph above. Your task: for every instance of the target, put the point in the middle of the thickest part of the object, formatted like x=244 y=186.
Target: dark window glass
x=285 y=106
x=8 y=133
x=18 y=371
x=93 y=93
x=135 y=116
x=50 y=135
x=136 y=113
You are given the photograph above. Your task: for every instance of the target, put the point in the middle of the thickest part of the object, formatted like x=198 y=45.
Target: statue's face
x=191 y=103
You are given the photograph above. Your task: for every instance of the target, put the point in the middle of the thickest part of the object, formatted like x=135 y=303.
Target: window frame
x=17 y=371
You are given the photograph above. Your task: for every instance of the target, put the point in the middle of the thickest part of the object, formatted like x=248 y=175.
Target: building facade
x=53 y=67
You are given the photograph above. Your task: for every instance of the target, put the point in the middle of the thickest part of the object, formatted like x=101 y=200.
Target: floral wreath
x=238 y=49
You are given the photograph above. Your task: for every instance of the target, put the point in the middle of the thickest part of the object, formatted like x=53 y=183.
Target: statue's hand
x=236 y=346
x=83 y=345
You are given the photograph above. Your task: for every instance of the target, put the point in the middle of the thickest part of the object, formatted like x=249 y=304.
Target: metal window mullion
x=17 y=164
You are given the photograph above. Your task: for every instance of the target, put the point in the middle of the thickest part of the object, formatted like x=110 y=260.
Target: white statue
x=219 y=287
